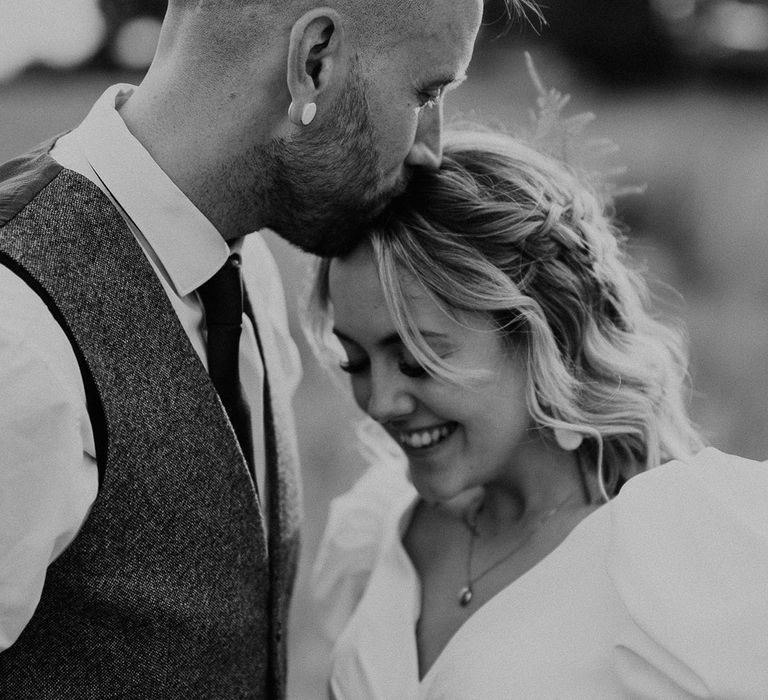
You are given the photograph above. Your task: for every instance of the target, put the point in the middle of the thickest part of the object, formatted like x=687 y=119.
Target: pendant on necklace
x=465 y=596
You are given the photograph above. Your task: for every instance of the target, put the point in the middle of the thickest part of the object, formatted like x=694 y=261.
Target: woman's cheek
x=361 y=392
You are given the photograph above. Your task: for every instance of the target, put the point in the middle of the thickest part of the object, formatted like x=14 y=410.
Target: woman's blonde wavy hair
x=505 y=231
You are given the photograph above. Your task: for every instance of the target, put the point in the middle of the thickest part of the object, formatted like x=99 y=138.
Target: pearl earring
x=568 y=439
x=307 y=116
x=308 y=113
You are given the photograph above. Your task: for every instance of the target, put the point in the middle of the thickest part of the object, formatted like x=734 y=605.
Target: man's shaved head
x=377 y=22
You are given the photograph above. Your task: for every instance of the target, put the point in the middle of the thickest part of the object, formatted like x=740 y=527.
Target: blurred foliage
x=117 y=13
x=622 y=43
x=619 y=41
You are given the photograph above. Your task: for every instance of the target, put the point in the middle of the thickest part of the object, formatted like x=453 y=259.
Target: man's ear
x=315 y=59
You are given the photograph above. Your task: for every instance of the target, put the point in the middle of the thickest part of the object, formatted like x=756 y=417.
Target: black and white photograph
x=396 y=350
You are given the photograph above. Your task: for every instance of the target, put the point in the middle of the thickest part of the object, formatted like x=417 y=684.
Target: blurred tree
x=621 y=42
x=117 y=13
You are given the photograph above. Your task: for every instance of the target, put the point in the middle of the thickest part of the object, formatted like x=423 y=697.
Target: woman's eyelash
x=353 y=367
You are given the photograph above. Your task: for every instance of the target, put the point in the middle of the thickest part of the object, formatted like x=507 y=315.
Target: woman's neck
x=541 y=479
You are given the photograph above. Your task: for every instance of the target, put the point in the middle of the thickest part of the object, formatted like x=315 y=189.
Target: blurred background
x=681 y=86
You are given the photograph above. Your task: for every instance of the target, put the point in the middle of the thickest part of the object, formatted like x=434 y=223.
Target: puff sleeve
x=689 y=560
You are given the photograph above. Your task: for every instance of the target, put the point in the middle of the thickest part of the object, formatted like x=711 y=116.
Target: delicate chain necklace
x=467 y=593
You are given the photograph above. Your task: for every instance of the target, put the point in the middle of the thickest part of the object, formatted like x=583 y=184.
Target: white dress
x=662 y=593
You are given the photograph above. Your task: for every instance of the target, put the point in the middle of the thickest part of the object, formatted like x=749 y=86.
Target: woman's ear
x=315 y=61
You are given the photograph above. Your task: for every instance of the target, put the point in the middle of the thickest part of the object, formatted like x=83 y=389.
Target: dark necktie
x=222 y=298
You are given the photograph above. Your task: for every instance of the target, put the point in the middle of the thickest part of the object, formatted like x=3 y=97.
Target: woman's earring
x=307 y=116
x=568 y=439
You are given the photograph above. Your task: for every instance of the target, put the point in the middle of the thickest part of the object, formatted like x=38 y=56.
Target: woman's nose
x=389 y=398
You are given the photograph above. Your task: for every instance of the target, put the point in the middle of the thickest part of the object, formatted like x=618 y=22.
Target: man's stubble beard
x=320 y=190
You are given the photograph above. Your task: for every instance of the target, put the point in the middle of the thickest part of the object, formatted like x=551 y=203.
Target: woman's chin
x=440 y=488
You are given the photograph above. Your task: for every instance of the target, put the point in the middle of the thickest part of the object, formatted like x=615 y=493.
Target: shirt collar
x=187 y=244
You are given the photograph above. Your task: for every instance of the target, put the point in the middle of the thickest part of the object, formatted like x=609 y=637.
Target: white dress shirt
x=48 y=473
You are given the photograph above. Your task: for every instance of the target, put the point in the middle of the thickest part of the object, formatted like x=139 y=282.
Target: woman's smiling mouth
x=424 y=438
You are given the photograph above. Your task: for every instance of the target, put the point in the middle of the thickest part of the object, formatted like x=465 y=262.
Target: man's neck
x=198 y=147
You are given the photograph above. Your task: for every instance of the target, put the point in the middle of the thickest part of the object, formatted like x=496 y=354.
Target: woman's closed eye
x=356 y=366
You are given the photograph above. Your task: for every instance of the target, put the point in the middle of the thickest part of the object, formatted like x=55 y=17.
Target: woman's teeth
x=424 y=438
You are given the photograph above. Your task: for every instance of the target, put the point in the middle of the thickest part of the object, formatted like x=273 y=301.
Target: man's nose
x=427 y=149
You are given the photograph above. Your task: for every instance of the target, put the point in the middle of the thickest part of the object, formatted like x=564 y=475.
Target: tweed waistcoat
x=168 y=590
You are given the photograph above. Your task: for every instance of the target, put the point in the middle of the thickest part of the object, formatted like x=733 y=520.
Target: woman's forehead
x=357 y=294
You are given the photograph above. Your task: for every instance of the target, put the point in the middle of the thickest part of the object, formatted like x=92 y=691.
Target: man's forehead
x=435 y=20
x=439 y=43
